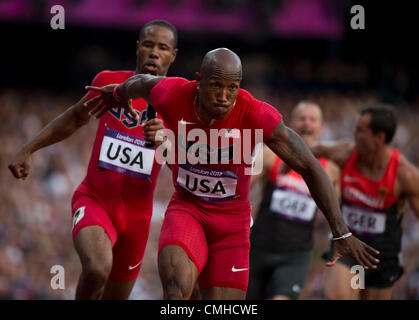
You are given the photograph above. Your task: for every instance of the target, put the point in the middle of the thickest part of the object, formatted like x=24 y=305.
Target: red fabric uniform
x=362 y=191
x=209 y=213
x=291 y=193
x=370 y=209
x=291 y=180
x=117 y=192
x=286 y=216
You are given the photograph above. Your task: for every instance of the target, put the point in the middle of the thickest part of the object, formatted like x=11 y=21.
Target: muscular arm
x=139 y=86
x=61 y=127
x=409 y=181
x=57 y=130
x=337 y=151
x=291 y=148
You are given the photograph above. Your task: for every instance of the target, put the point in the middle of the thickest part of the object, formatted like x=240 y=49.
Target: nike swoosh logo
x=133 y=267
x=185 y=122
x=237 y=270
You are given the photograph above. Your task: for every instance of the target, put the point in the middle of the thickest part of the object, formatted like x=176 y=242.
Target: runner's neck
x=374 y=164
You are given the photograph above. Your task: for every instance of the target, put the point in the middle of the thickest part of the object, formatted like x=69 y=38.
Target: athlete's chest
x=375 y=194
x=374 y=175
x=291 y=181
x=121 y=119
x=120 y=143
x=377 y=181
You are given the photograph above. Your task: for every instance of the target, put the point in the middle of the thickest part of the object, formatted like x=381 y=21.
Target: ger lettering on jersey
x=370 y=209
x=286 y=214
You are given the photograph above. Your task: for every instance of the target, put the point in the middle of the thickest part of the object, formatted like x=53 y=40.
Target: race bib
x=364 y=221
x=208 y=184
x=293 y=206
x=127 y=154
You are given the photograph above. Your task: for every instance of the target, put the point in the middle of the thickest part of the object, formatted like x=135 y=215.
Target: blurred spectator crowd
x=35 y=214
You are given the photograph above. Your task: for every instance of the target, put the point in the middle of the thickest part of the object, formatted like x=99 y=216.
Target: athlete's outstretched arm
x=337 y=151
x=57 y=130
x=138 y=86
x=291 y=148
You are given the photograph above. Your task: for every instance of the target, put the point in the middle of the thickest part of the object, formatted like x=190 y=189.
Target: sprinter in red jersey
x=112 y=207
x=205 y=233
x=376 y=181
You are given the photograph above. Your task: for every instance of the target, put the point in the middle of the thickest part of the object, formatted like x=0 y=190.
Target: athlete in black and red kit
x=112 y=207
x=376 y=181
x=205 y=233
x=282 y=236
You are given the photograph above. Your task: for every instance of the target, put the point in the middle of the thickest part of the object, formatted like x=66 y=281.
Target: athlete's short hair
x=162 y=23
x=383 y=119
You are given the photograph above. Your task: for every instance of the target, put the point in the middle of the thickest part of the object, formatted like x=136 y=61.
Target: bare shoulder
x=408 y=176
x=333 y=170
